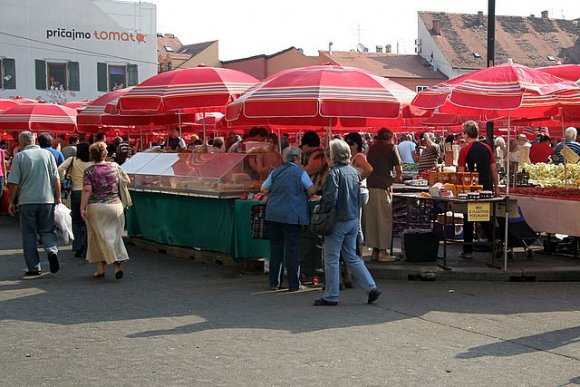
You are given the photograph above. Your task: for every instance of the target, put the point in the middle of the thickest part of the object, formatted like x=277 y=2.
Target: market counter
x=553 y=216
x=221 y=225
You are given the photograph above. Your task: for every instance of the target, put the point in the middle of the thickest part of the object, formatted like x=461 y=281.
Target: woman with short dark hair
x=102 y=210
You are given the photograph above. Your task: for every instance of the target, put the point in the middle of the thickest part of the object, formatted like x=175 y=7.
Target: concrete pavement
x=172 y=321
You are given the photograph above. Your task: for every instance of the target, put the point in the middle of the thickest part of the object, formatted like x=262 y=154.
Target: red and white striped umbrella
x=39 y=117
x=7 y=103
x=495 y=91
x=190 y=90
x=319 y=95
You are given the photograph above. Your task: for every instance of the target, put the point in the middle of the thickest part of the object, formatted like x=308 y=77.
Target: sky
x=252 y=27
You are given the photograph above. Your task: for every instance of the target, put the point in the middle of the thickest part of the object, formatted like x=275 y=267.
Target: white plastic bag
x=63 y=224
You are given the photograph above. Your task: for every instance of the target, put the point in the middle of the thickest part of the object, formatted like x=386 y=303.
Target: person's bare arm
x=14 y=188
x=495 y=178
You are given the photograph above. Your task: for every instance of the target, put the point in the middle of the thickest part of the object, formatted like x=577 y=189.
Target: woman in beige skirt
x=102 y=210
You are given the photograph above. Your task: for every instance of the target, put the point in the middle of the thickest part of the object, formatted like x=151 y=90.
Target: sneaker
x=31 y=274
x=465 y=255
x=53 y=262
x=297 y=289
x=374 y=295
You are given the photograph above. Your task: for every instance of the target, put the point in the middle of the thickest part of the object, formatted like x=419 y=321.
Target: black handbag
x=66 y=184
x=322 y=223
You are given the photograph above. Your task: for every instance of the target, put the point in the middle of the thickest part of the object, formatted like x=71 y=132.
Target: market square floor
x=172 y=321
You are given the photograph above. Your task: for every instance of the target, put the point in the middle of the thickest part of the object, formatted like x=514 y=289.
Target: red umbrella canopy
x=498 y=90
x=7 y=103
x=193 y=89
x=39 y=117
x=317 y=94
x=76 y=104
x=94 y=110
x=570 y=72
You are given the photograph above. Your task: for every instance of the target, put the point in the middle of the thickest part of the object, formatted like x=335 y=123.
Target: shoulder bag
x=322 y=223
x=66 y=185
x=124 y=189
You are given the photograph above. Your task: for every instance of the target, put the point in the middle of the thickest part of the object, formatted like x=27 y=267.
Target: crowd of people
x=352 y=174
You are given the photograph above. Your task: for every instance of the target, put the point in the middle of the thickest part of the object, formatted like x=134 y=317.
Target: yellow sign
x=569 y=155
x=478 y=212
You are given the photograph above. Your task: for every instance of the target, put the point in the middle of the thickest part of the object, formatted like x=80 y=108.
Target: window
x=421 y=88
x=168 y=48
x=57 y=75
x=551 y=58
x=112 y=77
x=7 y=73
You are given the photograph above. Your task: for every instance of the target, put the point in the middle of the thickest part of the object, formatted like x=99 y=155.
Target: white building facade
x=70 y=50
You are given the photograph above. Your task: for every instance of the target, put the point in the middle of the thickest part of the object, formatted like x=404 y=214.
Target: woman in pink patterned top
x=102 y=210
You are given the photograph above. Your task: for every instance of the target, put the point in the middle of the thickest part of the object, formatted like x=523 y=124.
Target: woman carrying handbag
x=341 y=194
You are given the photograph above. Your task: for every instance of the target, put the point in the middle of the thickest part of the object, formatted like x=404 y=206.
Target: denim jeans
x=78 y=224
x=343 y=239
x=37 y=220
x=284 y=238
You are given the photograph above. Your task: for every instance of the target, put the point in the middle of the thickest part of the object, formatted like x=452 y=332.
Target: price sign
x=570 y=156
x=478 y=212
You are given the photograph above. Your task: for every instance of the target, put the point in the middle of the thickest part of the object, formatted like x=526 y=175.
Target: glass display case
x=215 y=175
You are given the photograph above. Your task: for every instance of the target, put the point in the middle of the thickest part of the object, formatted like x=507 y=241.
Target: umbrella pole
x=204 y=138
x=507 y=193
x=179 y=122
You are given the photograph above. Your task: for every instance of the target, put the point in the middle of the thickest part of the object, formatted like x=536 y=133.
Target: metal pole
x=490 y=58
x=490 y=33
x=507 y=194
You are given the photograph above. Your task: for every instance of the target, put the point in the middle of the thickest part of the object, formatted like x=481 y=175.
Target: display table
x=222 y=225
x=552 y=216
x=499 y=206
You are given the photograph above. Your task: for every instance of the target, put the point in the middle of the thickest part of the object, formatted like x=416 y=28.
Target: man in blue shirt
x=34 y=179
x=45 y=142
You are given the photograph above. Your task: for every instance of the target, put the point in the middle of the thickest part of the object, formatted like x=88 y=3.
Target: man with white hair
x=570 y=141
x=34 y=179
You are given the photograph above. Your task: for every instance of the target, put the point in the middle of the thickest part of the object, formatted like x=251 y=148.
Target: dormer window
x=168 y=48
x=477 y=55
x=551 y=58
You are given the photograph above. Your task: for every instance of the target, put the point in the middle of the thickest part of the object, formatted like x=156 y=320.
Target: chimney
x=330 y=48
x=436 y=27
x=379 y=49
x=480 y=17
x=388 y=49
x=545 y=15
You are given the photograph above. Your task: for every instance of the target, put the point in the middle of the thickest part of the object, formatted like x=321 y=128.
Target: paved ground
x=172 y=321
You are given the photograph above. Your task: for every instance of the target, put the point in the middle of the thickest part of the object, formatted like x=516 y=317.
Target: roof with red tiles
x=531 y=41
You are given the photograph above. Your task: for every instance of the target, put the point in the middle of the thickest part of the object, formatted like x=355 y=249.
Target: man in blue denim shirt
x=34 y=179
x=342 y=193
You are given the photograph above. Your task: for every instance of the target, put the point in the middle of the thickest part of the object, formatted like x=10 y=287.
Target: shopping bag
x=124 y=189
x=63 y=224
x=259 y=223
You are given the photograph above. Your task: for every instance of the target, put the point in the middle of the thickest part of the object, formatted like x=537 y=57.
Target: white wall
x=29 y=30
x=431 y=52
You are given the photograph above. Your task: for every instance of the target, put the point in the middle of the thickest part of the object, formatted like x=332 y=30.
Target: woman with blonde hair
x=102 y=210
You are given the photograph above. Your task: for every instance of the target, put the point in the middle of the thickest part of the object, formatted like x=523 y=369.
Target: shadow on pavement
x=541 y=342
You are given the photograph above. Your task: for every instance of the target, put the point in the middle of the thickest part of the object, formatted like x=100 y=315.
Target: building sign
x=478 y=212
x=73 y=34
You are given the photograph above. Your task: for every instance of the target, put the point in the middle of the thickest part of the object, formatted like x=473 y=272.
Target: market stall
x=192 y=199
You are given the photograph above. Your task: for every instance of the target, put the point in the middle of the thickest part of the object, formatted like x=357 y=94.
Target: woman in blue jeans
x=341 y=192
